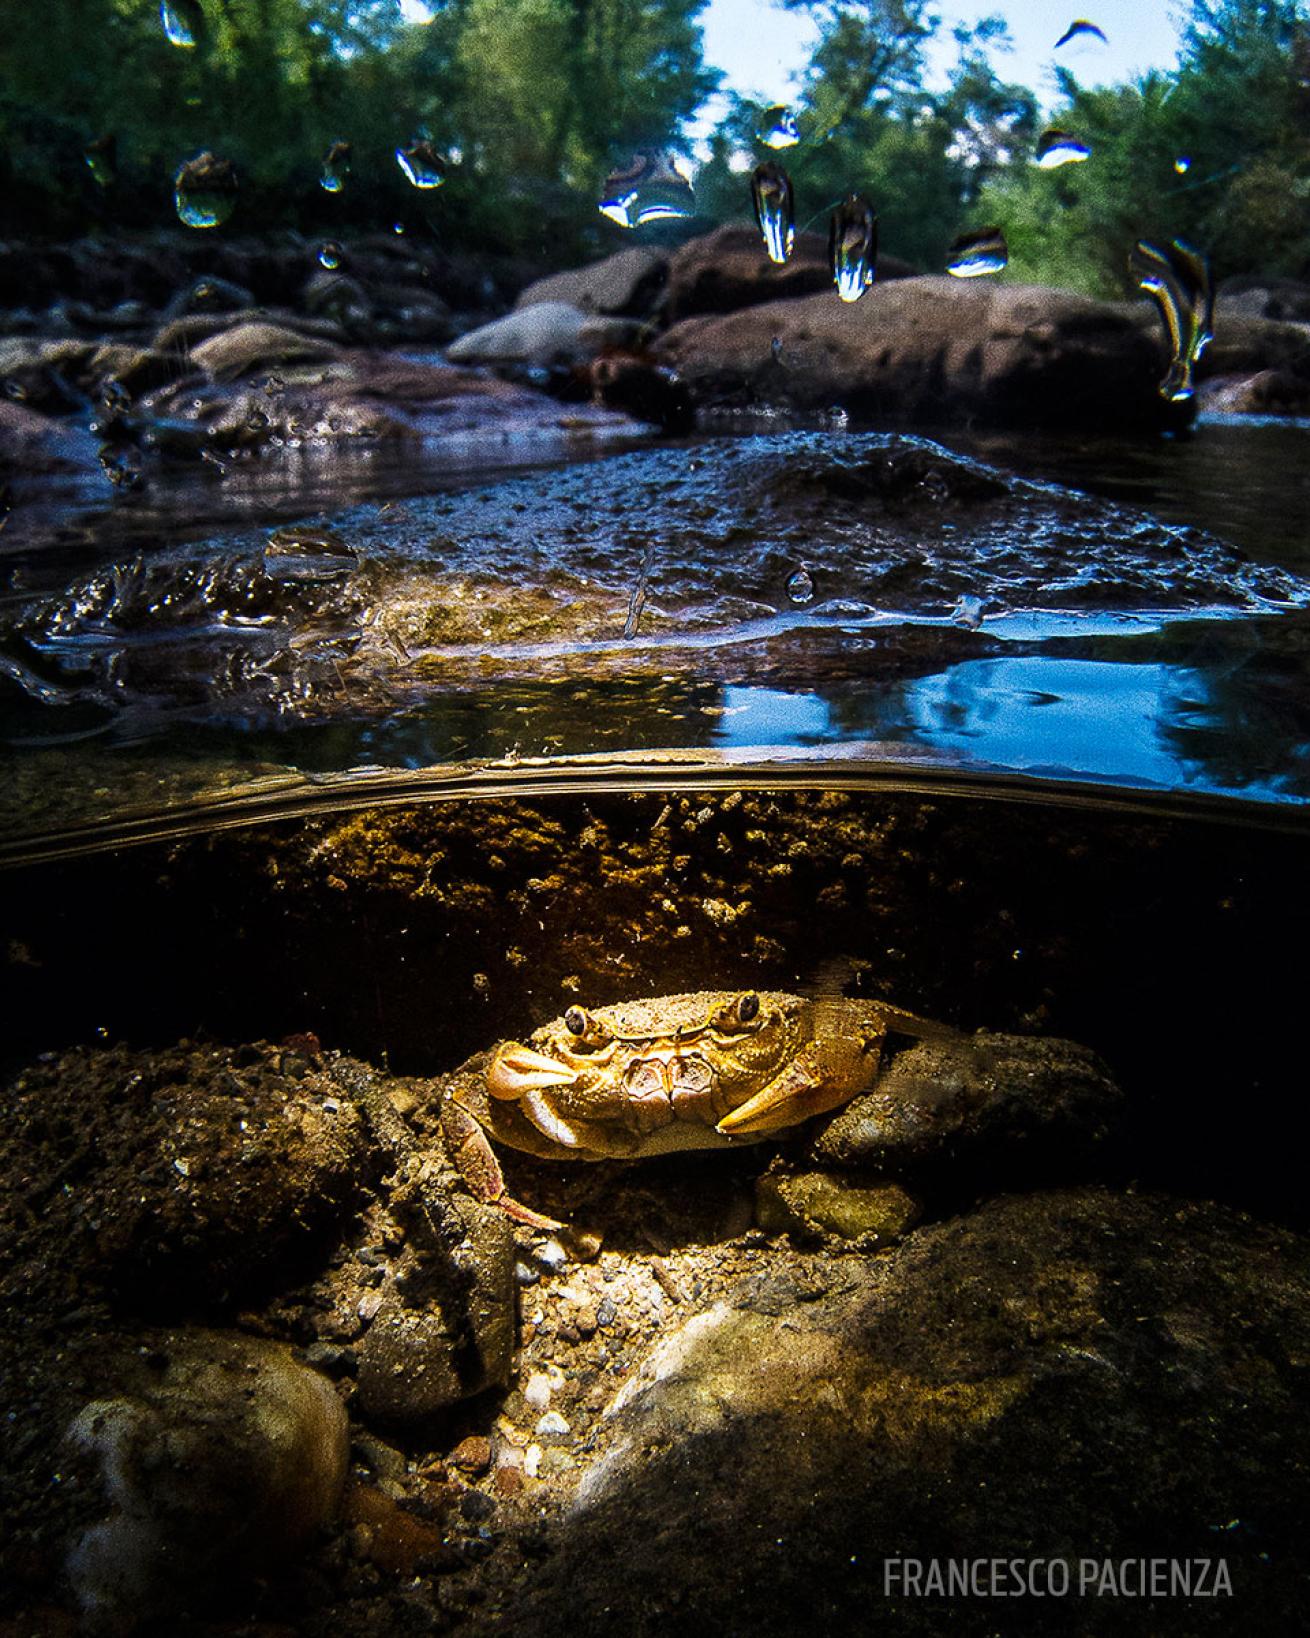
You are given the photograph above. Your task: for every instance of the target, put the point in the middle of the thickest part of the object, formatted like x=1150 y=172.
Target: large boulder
x=1255 y=296
x=933 y=349
x=1065 y=1379
x=627 y=285
x=724 y=271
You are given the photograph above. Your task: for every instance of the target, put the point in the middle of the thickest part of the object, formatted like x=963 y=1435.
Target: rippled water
x=795 y=593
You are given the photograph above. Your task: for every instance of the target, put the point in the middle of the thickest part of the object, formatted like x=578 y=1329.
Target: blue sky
x=762 y=48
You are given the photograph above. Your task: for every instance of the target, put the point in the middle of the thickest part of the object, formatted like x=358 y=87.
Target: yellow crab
x=699 y=1071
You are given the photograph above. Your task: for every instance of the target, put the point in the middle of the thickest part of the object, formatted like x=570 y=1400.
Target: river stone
x=934 y=349
x=1254 y=295
x=432 y=1341
x=1004 y=1104
x=546 y=333
x=219 y=1457
x=201 y=1171
x=1063 y=1375
x=34 y=444
x=209 y=295
x=256 y=346
x=825 y=1202
x=724 y=271
x=626 y=284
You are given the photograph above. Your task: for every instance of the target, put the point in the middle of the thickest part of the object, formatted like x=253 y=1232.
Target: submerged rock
x=1003 y=1107
x=201 y=1171
x=219 y=1457
x=1071 y=1376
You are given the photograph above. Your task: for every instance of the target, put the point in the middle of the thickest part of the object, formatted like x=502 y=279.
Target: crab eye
x=576 y=1021
x=748 y=1007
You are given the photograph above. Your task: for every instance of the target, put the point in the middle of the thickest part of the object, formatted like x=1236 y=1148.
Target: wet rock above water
x=627 y=284
x=694 y=557
x=727 y=270
x=1062 y=1376
x=934 y=349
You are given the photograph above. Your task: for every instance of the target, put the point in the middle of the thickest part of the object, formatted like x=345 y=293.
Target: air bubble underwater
x=853 y=247
x=101 y=159
x=1081 y=29
x=1056 y=147
x=778 y=128
x=800 y=587
x=336 y=167
x=771 y=194
x=329 y=256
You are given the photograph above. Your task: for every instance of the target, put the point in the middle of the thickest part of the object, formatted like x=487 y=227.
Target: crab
x=701 y=1071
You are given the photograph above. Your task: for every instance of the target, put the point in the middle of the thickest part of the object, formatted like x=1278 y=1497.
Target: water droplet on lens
x=329 y=256
x=184 y=22
x=1056 y=147
x=1081 y=29
x=422 y=164
x=774 y=211
x=336 y=167
x=652 y=188
x=778 y=128
x=205 y=191
x=980 y=251
x=1177 y=278
x=101 y=158
x=800 y=587
x=853 y=247
x=1182 y=164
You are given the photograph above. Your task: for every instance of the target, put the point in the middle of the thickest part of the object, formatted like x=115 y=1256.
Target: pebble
x=472 y=1455
x=532 y=1461
x=537 y=1391
x=551 y=1255
x=605 y=1312
x=552 y=1426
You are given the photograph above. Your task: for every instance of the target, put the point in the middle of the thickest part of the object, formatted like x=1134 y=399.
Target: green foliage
x=541 y=98
x=1237 y=112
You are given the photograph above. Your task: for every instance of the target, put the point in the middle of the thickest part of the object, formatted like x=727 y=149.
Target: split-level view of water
x=653 y=829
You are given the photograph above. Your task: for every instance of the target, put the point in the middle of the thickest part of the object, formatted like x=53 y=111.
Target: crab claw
x=517 y=1070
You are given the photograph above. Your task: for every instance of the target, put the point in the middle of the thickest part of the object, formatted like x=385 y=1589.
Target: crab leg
x=476 y=1162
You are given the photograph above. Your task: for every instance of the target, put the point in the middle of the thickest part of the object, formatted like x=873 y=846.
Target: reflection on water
x=857 y=595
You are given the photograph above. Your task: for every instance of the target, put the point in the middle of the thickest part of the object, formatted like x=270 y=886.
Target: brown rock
x=255 y=346
x=627 y=285
x=933 y=348
x=727 y=270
